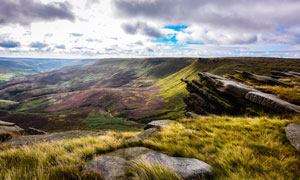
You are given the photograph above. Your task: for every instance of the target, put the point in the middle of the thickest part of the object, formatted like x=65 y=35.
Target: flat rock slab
x=3 y=123
x=293 y=134
x=115 y=165
x=148 y=133
x=10 y=129
x=35 y=139
x=158 y=124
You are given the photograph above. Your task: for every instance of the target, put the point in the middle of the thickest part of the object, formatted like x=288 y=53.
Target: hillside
x=14 y=68
x=130 y=89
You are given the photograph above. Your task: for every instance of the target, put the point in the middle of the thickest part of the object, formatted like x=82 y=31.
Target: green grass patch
x=6 y=104
x=236 y=148
x=104 y=120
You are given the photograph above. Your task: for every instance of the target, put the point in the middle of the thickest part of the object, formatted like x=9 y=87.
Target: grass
x=236 y=148
x=58 y=160
x=104 y=120
x=143 y=170
x=291 y=95
x=6 y=104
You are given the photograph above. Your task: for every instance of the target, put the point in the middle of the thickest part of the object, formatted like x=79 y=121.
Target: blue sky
x=122 y=28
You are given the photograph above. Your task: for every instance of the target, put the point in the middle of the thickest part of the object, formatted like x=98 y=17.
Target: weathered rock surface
x=272 y=102
x=115 y=165
x=191 y=115
x=284 y=74
x=263 y=79
x=3 y=123
x=33 y=131
x=293 y=134
x=7 y=130
x=148 y=133
x=150 y=129
x=35 y=139
x=7 y=127
x=218 y=95
x=157 y=124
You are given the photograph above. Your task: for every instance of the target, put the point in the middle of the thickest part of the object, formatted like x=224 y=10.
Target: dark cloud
x=9 y=44
x=38 y=45
x=142 y=28
x=27 y=11
x=237 y=14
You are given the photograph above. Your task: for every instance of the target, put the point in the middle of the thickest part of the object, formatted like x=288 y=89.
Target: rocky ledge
x=213 y=94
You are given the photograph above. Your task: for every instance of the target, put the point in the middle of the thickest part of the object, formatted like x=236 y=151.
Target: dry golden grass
x=236 y=148
x=65 y=159
x=291 y=95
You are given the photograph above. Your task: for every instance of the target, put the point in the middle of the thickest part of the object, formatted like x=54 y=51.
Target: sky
x=149 y=28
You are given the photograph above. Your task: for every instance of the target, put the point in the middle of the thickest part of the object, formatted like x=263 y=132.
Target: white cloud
x=227 y=28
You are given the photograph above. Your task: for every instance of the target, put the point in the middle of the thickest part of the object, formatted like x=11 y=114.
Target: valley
x=231 y=113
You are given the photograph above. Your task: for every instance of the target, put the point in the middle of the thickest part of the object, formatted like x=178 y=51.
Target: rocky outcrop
x=149 y=130
x=148 y=133
x=263 y=79
x=35 y=139
x=116 y=165
x=8 y=130
x=272 y=102
x=293 y=134
x=290 y=74
x=157 y=124
x=217 y=95
x=7 y=127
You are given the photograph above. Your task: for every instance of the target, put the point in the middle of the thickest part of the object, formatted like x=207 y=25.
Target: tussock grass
x=291 y=95
x=143 y=170
x=58 y=160
x=236 y=148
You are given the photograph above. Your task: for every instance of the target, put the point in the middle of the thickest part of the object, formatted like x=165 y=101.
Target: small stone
x=157 y=124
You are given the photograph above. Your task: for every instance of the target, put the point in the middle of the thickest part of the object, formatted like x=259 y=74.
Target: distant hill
x=13 y=68
x=138 y=90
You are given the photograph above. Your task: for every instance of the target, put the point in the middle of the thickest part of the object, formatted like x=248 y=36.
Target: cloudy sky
x=139 y=28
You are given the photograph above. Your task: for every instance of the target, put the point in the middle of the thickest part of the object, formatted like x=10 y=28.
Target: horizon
x=139 y=29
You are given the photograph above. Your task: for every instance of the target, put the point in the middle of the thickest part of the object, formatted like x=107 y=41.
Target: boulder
x=191 y=115
x=8 y=130
x=7 y=127
x=116 y=165
x=157 y=124
x=293 y=134
x=272 y=102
